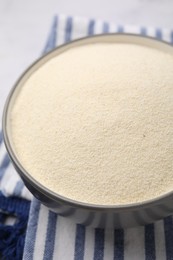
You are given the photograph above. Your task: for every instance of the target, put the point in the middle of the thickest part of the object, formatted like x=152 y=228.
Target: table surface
x=24 y=26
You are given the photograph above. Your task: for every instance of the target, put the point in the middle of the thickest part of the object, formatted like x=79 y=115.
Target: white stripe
x=112 y=28
x=9 y=181
x=80 y=28
x=160 y=240
x=64 y=239
x=26 y=194
x=134 y=244
x=41 y=233
x=98 y=28
x=109 y=244
x=132 y=29
x=10 y=221
x=150 y=31
x=89 y=243
x=2 y=152
x=166 y=35
x=61 y=29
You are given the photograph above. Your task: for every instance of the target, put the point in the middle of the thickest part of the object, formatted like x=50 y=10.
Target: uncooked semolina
x=95 y=124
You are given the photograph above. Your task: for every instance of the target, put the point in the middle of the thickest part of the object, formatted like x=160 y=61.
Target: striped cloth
x=50 y=236
x=10 y=182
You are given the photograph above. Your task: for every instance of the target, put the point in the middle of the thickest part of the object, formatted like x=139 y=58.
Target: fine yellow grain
x=95 y=124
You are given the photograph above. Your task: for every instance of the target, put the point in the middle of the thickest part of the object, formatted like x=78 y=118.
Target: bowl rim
x=36 y=184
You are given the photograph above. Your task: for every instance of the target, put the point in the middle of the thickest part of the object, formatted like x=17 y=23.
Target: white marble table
x=24 y=26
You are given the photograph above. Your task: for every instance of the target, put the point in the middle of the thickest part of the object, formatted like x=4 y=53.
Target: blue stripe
x=143 y=31
x=150 y=242
x=50 y=236
x=120 y=29
x=2 y=217
x=5 y=161
x=51 y=43
x=171 y=36
x=118 y=244
x=1 y=137
x=105 y=27
x=79 y=242
x=91 y=27
x=168 y=227
x=68 y=29
x=18 y=188
x=4 y=165
x=99 y=244
x=159 y=34
x=14 y=206
x=32 y=230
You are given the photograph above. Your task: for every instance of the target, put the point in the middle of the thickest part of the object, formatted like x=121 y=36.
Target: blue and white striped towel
x=53 y=237
x=10 y=182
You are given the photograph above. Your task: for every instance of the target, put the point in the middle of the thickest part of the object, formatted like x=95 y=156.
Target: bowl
x=118 y=216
